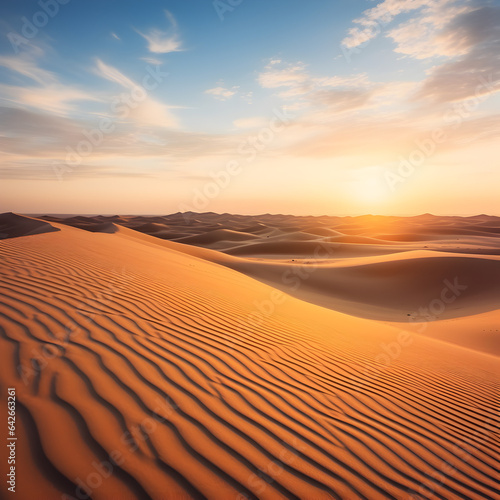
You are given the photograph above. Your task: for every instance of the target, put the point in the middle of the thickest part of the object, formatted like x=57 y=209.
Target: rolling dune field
x=235 y=357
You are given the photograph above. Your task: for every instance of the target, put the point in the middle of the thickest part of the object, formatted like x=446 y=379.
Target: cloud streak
x=163 y=42
x=25 y=65
x=143 y=109
x=222 y=93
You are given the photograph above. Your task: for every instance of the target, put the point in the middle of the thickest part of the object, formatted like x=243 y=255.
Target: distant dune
x=374 y=267
x=13 y=226
x=253 y=358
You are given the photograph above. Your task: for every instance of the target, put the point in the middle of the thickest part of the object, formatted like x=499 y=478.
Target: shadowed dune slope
x=303 y=255
x=419 y=291
x=13 y=226
x=450 y=286
x=143 y=372
x=403 y=286
x=217 y=236
x=305 y=249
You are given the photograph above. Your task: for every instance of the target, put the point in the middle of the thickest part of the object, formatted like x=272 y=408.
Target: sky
x=337 y=107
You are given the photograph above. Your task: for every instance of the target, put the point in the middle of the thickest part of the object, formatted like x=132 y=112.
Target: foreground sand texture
x=151 y=368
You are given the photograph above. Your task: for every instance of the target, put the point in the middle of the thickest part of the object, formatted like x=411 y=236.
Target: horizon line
x=64 y=215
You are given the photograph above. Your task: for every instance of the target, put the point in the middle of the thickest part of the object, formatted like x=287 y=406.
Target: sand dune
x=256 y=228
x=390 y=290
x=151 y=227
x=322 y=231
x=146 y=368
x=383 y=276
x=479 y=331
x=13 y=225
x=217 y=236
x=304 y=249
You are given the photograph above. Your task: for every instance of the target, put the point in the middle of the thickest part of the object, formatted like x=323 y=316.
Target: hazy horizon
x=252 y=214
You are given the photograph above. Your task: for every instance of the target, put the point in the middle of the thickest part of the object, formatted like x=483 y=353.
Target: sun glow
x=370 y=187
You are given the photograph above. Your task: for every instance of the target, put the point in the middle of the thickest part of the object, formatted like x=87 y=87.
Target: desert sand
x=232 y=357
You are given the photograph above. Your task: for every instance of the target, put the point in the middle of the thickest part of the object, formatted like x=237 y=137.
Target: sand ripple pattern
x=162 y=374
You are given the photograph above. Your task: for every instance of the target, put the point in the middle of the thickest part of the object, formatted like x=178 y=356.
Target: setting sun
x=371 y=188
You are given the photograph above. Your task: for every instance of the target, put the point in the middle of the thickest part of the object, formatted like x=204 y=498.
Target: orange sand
x=151 y=368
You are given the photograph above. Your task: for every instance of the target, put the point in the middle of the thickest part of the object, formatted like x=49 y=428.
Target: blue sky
x=363 y=86
x=232 y=51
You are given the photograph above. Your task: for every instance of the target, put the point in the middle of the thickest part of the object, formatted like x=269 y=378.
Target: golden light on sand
x=181 y=356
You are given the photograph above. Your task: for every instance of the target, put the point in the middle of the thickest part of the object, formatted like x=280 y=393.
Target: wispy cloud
x=114 y=75
x=152 y=60
x=43 y=171
x=163 y=42
x=277 y=74
x=463 y=36
x=146 y=111
x=222 y=93
x=31 y=142
x=45 y=92
x=429 y=33
x=369 y=24
x=251 y=122
x=334 y=93
x=474 y=67
x=24 y=64
x=56 y=98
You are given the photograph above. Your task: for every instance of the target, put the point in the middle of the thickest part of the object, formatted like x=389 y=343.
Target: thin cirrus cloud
x=152 y=60
x=222 y=93
x=369 y=24
x=147 y=110
x=337 y=110
x=31 y=142
x=45 y=91
x=39 y=171
x=302 y=90
x=114 y=75
x=163 y=42
x=252 y=122
x=55 y=98
x=449 y=31
x=417 y=36
x=24 y=64
x=278 y=74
